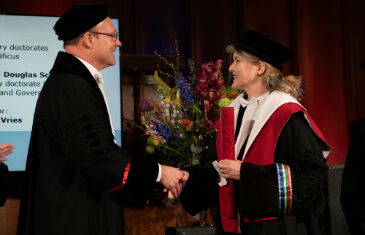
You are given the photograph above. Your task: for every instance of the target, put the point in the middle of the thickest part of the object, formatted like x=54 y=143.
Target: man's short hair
x=73 y=42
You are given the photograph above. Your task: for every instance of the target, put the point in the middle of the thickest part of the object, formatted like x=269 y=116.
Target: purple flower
x=161 y=129
x=145 y=106
x=302 y=88
x=165 y=132
x=185 y=87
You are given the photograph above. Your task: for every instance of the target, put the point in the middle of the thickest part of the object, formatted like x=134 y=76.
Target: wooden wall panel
x=9 y=216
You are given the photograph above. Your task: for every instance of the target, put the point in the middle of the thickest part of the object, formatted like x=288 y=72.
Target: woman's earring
x=258 y=74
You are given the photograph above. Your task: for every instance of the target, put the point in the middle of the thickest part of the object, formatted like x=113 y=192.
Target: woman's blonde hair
x=274 y=80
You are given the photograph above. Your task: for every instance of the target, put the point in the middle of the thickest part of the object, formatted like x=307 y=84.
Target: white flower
x=167 y=105
x=162 y=103
x=172 y=121
x=167 y=111
x=174 y=115
x=178 y=93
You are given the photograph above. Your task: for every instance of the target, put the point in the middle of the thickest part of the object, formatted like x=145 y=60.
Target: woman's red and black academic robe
x=77 y=178
x=297 y=157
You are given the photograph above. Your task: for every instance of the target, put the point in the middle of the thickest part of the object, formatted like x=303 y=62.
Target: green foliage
x=225 y=102
x=150 y=140
x=150 y=149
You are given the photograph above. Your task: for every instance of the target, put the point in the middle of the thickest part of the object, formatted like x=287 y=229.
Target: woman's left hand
x=230 y=169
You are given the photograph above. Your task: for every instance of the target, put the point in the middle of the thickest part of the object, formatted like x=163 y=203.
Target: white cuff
x=159 y=173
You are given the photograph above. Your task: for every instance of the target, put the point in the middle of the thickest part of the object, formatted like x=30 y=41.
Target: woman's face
x=243 y=72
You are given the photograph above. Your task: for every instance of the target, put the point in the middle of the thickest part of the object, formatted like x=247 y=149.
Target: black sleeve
x=89 y=143
x=353 y=183
x=299 y=148
x=201 y=190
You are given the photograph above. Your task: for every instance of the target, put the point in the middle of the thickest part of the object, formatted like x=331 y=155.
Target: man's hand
x=181 y=183
x=230 y=169
x=5 y=149
x=171 y=179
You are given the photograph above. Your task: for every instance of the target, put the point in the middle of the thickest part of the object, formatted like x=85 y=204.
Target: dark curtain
x=327 y=37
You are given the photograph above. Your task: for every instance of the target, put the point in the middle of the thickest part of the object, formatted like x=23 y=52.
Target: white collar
x=264 y=111
x=94 y=72
x=253 y=100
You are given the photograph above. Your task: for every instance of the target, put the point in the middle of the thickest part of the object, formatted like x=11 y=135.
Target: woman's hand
x=5 y=149
x=230 y=169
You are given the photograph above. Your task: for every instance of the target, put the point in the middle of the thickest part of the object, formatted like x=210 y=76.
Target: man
x=77 y=177
x=353 y=178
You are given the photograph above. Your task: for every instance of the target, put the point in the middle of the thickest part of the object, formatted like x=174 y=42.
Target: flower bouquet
x=181 y=125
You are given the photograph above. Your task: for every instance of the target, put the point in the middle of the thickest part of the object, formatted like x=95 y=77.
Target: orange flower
x=153 y=103
x=186 y=123
x=233 y=95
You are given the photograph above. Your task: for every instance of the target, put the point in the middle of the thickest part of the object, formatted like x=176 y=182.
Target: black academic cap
x=362 y=64
x=79 y=19
x=264 y=46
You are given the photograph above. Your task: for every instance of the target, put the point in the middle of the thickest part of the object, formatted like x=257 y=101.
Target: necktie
x=239 y=120
x=100 y=82
x=238 y=127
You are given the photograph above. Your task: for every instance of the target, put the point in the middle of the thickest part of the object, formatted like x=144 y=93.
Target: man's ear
x=88 y=39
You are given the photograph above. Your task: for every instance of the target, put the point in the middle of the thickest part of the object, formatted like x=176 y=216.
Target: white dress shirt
x=99 y=80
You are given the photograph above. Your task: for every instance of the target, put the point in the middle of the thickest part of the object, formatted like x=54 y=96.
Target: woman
x=279 y=174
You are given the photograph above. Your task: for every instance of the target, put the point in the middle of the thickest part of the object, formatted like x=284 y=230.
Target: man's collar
x=96 y=74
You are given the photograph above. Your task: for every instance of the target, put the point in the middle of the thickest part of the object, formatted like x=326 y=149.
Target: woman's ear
x=261 y=68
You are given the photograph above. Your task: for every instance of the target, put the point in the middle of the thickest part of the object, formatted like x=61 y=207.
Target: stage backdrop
x=327 y=37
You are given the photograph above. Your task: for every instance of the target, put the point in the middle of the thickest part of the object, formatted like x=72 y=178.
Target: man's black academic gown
x=299 y=148
x=73 y=161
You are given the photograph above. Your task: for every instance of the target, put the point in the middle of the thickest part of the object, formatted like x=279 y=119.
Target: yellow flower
x=155 y=142
x=167 y=101
x=177 y=101
x=161 y=86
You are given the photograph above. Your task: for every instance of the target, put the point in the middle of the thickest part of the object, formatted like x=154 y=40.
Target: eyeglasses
x=113 y=35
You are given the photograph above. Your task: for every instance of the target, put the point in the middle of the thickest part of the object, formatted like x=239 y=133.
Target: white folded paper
x=223 y=180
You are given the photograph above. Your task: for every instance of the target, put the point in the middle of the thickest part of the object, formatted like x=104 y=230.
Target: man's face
x=105 y=45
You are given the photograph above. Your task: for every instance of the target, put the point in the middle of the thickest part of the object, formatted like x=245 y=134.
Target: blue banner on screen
x=28 y=48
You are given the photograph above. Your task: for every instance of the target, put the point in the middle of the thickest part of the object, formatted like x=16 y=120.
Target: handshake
x=173 y=180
